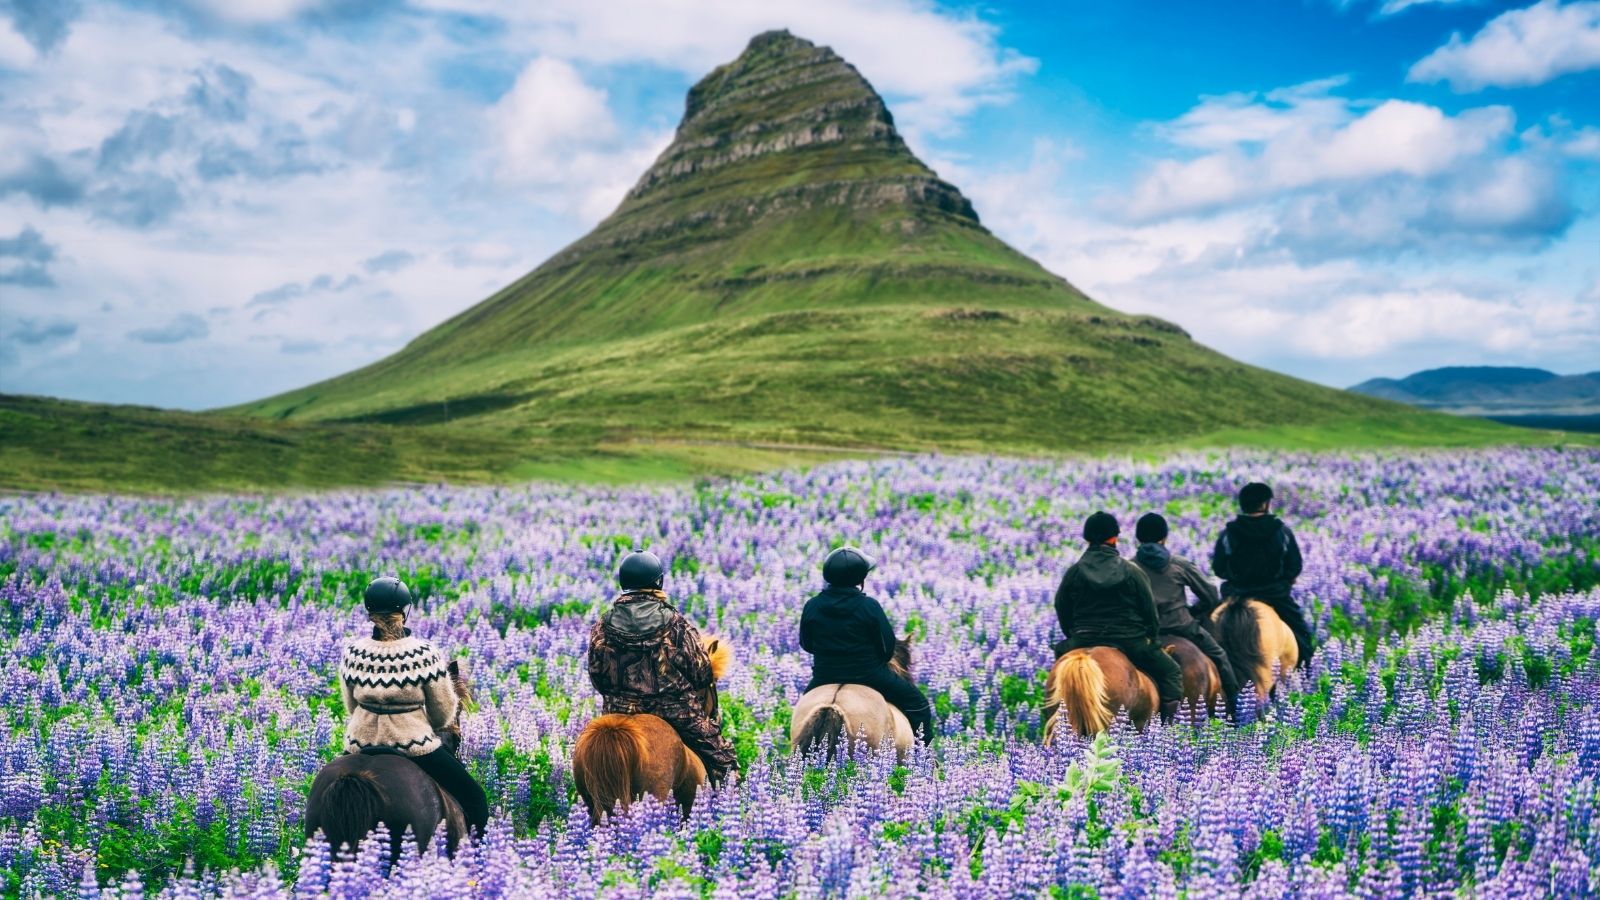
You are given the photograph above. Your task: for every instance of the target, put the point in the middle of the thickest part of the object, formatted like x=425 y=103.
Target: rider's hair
x=388 y=626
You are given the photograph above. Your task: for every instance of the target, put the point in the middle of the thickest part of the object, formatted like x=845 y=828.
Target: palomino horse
x=356 y=791
x=620 y=758
x=1091 y=685
x=1255 y=640
x=1202 y=683
x=830 y=713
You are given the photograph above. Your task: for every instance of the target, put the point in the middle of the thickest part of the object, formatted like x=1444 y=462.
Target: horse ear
x=711 y=648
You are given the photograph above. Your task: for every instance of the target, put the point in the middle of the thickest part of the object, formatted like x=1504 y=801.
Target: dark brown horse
x=355 y=792
x=620 y=758
x=1202 y=683
x=829 y=713
x=1090 y=685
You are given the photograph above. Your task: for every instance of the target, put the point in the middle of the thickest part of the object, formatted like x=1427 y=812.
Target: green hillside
x=787 y=284
x=788 y=271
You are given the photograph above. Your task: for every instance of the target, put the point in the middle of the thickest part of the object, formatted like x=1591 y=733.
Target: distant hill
x=787 y=284
x=788 y=271
x=1533 y=397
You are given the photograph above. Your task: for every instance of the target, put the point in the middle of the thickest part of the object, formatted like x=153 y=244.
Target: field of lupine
x=167 y=669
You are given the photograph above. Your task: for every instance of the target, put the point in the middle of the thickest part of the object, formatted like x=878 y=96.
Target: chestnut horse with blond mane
x=1092 y=684
x=620 y=758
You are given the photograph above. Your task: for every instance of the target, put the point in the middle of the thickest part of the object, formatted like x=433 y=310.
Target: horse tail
x=1239 y=632
x=826 y=726
x=1080 y=688
x=604 y=761
x=353 y=805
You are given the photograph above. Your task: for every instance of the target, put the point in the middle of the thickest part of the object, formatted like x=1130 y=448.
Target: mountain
x=789 y=272
x=1509 y=394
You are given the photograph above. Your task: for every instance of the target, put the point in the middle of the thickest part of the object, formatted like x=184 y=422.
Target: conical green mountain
x=789 y=272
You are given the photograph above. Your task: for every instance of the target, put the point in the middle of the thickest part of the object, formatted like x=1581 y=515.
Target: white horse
x=830 y=713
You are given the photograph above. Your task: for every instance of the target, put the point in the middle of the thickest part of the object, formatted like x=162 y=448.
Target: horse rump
x=604 y=762
x=826 y=726
x=1078 y=689
x=1238 y=630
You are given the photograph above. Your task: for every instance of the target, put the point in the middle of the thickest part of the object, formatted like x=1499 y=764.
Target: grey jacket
x=1169 y=575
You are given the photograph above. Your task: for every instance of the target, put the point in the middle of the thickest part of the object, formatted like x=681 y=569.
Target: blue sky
x=209 y=201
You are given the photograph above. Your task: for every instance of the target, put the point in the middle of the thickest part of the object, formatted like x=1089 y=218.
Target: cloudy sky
x=205 y=202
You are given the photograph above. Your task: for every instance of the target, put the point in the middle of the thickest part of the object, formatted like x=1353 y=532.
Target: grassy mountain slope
x=789 y=271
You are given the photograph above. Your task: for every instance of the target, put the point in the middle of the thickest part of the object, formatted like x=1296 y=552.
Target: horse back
x=407 y=798
x=862 y=712
x=1202 y=684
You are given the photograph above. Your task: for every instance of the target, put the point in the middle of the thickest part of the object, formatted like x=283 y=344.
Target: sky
x=204 y=202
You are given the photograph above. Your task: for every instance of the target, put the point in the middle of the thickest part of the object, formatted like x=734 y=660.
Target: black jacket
x=847 y=633
x=1170 y=577
x=1104 y=595
x=1257 y=556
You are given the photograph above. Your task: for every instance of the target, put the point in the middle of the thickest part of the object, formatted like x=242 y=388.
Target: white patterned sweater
x=398 y=693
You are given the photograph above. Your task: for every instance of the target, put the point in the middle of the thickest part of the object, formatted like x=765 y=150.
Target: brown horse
x=1255 y=640
x=1202 y=683
x=1092 y=684
x=830 y=713
x=353 y=794
x=620 y=758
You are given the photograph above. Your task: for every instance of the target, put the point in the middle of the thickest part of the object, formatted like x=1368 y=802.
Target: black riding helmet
x=847 y=567
x=640 y=570
x=387 y=595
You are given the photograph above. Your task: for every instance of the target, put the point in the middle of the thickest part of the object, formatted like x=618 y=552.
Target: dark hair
x=388 y=626
x=1254 y=496
x=1151 y=528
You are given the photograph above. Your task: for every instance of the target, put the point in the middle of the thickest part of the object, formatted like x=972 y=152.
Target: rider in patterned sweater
x=645 y=657
x=402 y=698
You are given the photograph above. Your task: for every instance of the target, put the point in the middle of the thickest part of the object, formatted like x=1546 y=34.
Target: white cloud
x=1310 y=142
x=937 y=66
x=254 y=12
x=1519 y=48
x=1392 y=7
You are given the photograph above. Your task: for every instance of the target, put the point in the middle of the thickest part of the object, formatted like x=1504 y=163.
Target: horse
x=1255 y=639
x=1202 y=683
x=830 y=713
x=356 y=791
x=1092 y=684
x=619 y=758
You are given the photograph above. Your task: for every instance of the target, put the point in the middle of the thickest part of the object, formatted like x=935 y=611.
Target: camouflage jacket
x=644 y=649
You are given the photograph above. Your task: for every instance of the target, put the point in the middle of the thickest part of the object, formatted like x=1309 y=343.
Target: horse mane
x=603 y=760
x=1079 y=689
x=353 y=805
x=1239 y=632
x=900 y=662
x=721 y=655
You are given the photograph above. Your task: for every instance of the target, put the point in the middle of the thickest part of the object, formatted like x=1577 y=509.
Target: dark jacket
x=1103 y=595
x=643 y=649
x=847 y=633
x=1257 y=556
x=1169 y=576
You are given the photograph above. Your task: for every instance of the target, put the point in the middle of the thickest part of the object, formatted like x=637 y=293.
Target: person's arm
x=1145 y=600
x=599 y=672
x=690 y=655
x=879 y=620
x=347 y=692
x=1066 y=597
x=1205 y=592
x=1221 y=558
x=805 y=632
x=1292 y=563
x=439 y=693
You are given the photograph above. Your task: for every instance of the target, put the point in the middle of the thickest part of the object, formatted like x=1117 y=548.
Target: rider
x=401 y=698
x=1257 y=557
x=851 y=640
x=645 y=657
x=1105 y=601
x=1169 y=575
